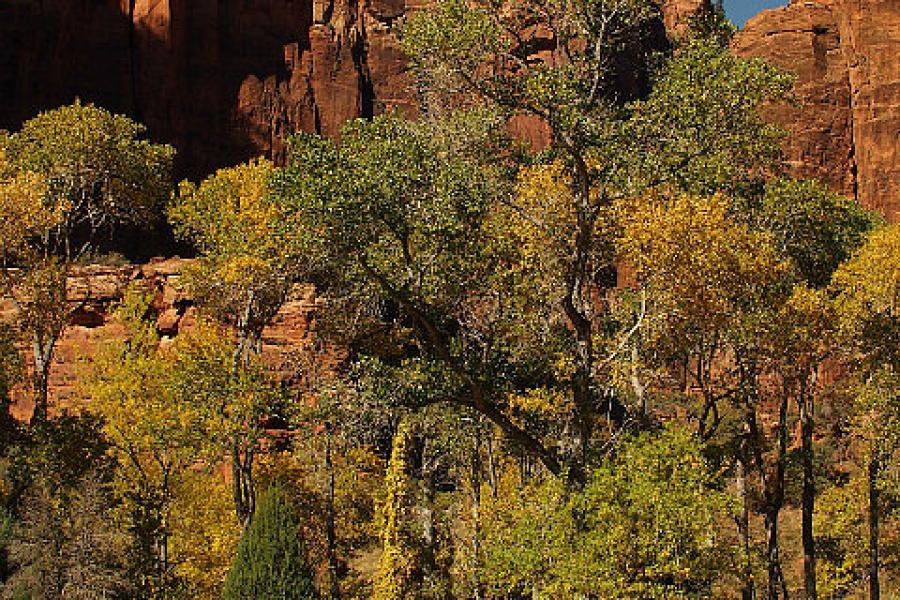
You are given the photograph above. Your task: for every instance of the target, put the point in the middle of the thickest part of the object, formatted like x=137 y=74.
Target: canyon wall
x=845 y=125
x=224 y=80
x=288 y=343
x=221 y=80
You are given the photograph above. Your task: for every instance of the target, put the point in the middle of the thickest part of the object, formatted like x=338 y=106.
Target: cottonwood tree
x=562 y=65
x=168 y=409
x=565 y=66
x=714 y=287
x=251 y=253
x=156 y=434
x=66 y=176
x=233 y=405
x=644 y=526
x=869 y=296
x=397 y=213
x=815 y=230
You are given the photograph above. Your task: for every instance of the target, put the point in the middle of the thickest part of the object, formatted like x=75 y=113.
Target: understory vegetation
x=629 y=358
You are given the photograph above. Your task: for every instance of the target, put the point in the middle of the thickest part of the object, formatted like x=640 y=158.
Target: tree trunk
x=43 y=354
x=776 y=584
x=874 y=583
x=475 y=482
x=809 y=493
x=242 y=482
x=242 y=465
x=578 y=285
x=774 y=491
x=743 y=525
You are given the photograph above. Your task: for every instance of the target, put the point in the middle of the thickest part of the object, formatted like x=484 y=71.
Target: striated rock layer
x=288 y=343
x=845 y=127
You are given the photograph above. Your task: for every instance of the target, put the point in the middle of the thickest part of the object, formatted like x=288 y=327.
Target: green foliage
x=271 y=560
x=816 y=228
x=488 y=48
x=700 y=129
x=399 y=203
x=67 y=175
x=97 y=170
x=647 y=525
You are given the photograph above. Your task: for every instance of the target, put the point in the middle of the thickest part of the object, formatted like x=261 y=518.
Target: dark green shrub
x=271 y=562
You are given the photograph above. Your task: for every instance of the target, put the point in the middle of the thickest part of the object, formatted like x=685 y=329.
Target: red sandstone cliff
x=224 y=80
x=845 y=128
x=221 y=80
x=287 y=341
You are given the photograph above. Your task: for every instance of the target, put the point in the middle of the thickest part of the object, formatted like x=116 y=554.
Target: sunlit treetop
x=869 y=297
x=23 y=212
x=705 y=271
x=97 y=168
x=251 y=247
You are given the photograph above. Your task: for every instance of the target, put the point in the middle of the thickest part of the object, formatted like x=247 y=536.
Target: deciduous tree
x=251 y=253
x=868 y=301
x=66 y=176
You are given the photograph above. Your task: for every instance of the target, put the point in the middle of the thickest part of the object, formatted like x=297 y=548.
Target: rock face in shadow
x=221 y=80
x=845 y=128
